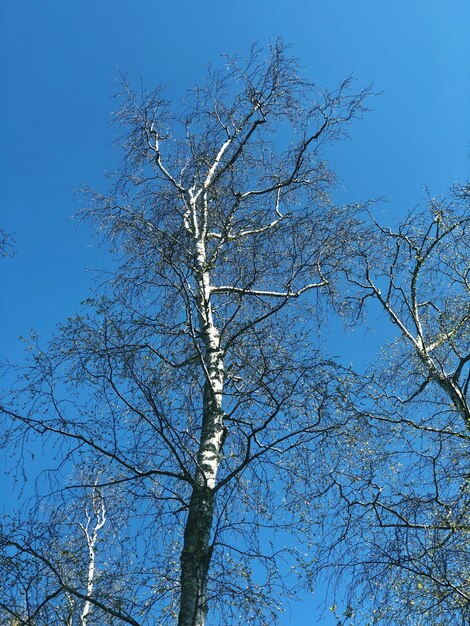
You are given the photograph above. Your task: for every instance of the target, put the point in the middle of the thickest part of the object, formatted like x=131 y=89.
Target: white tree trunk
x=197 y=549
x=91 y=536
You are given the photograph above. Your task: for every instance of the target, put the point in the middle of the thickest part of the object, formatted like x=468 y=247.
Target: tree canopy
x=218 y=460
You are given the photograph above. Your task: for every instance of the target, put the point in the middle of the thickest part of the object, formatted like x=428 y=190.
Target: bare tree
x=50 y=572
x=196 y=382
x=406 y=485
x=95 y=521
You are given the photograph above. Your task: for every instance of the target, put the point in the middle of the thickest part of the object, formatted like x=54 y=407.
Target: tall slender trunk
x=197 y=548
x=195 y=557
x=92 y=537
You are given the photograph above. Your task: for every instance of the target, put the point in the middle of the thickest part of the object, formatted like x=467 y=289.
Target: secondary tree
x=402 y=487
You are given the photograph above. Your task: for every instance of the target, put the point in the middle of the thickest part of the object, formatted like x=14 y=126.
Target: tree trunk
x=195 y=558
x=197 y=548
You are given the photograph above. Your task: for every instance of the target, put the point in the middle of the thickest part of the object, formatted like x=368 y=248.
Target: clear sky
x=58 y=62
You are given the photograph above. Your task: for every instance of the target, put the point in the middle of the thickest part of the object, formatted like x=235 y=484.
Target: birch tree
x=95 y=521
x=195 y=379
x=404 y=488
x=50 y=572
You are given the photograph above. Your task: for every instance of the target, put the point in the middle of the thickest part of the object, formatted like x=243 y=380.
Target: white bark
x=98 y=515
x=197 y=550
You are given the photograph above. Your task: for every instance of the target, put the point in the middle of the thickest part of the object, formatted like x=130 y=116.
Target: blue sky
x=59 y=60
x=58 y=63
